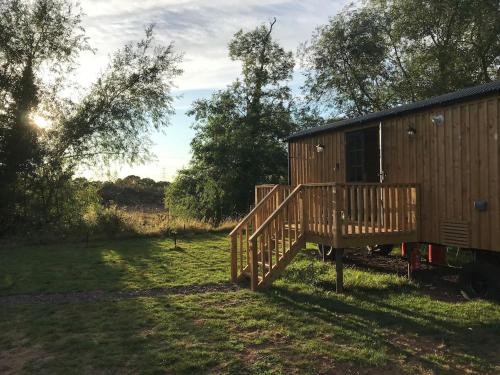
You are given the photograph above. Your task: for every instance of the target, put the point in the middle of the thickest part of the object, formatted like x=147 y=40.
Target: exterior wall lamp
x=320 y=148
x=437 y=119
x=411 y=131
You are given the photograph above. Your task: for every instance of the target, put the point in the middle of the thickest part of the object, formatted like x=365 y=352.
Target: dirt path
x=438 y=282
x=100 y=295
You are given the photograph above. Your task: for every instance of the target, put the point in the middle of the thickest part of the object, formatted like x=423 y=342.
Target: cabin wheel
x=477 y=280
x=326 y=252
x=379 y=249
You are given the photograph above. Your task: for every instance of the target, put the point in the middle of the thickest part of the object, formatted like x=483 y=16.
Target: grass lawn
x=382 y=324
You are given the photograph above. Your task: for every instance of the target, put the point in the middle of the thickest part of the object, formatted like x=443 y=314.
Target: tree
x=40 y=41
x=31 y=35
x=133 y=191
x=130 y=99
x=389 y=52
x=239 y=132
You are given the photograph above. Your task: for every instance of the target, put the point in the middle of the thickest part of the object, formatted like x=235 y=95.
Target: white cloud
x=200 y=29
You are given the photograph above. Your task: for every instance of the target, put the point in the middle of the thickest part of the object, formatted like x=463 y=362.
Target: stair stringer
x=284 y=261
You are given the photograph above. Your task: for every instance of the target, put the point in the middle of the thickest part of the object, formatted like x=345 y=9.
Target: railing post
x=338 y=205
x=305 y=224
x=234 y=258
x=254 y=266
x=417 y=212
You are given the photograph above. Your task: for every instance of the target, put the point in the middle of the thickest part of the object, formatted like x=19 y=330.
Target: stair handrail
x=252 y=212
x=259 y=230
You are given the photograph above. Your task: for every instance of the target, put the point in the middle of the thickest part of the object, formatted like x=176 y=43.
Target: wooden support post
x=234 y=258
x=339 y=267
x=254 y=266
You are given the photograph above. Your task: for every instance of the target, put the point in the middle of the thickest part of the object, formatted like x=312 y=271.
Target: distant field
x=382 y=324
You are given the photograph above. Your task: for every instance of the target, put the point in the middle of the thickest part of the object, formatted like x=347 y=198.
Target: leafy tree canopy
x=40 y=41
x=389 y=52
x=240 y=131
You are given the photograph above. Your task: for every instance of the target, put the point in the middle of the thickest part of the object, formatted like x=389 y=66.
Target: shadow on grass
x=387 y=325
x=227 y=333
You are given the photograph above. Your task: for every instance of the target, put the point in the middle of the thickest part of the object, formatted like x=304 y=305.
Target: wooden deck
x=335 y=214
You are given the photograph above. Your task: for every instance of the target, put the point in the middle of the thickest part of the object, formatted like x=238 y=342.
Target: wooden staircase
x=268 y=238
x=335 y=214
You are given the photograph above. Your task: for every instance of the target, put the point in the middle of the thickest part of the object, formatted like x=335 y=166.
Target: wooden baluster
x=263 y=253
x=359 y=209
x=372 y=208
x=254 y=266
x=378 y=193
x=247 y=243
x=331 y=209
x=278 y=234
x=352 y=206
x=398 y=208
x=316 y=197
x=319 y=210
x=295 y=212
x=326 y=204
x=324 y=210
x=385 y=208
x=345 y=196
x=404 y=197
x=317 y=216
x=418 y=195
x=307 y=208
x=328 y=210
x=365 y=209
x=289 y=224
x=283 y=235
x=240 y=250
x=390 y=204
x=270 y=245
x=312 y=204
x=415 y=203
x=305 y=212
x=393 y=208
x=409 y=211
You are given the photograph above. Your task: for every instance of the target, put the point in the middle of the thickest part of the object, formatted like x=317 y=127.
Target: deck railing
x=378 y=208
x=273 y=244
x=339 y=214
x=268 y=198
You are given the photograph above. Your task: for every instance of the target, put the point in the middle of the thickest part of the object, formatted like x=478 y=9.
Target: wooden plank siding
x=455 y=164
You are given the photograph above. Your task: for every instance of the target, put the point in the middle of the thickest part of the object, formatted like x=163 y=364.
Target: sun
x=41 y=122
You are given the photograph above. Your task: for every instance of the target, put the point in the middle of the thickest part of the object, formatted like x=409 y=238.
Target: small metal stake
x=174 y=234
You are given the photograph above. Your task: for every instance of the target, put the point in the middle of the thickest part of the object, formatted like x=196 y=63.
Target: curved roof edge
x=421 y=104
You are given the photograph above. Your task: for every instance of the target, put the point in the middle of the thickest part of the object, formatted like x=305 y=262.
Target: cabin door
x=363 y=163
x=363 y=155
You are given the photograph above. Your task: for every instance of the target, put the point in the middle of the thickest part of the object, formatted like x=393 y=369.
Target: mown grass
x=109 y=265
x=382 y=324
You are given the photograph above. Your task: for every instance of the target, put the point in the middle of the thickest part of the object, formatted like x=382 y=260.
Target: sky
x=201 y=31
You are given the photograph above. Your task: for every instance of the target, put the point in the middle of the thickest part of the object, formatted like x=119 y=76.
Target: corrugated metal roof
x=431 y=102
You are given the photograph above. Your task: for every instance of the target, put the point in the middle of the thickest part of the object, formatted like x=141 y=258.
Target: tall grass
x=160 y=223
x=112 y=222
